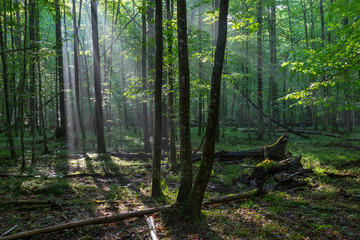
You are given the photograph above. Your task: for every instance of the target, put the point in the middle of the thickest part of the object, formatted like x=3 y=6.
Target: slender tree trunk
x=203 y=175
x=151 y=61
x=22 y=91
x=184 y=102
x=200 y=73
x=61 y=132
x=32 y=39
x=247 y=77
x=97 y=81
x=259 y=71
x=147 y=147
x=172 y=134
x=77 y=69
x=42 y=109
x=6 y=94
x=126 y=118
x=156 y=175
x=274 y=109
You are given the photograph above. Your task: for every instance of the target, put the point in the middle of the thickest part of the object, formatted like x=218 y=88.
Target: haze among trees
x=177 y=102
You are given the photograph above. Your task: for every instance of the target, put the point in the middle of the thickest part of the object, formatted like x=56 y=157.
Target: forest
x=179 y=119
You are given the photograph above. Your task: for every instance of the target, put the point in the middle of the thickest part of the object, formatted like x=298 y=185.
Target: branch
x=16 y=50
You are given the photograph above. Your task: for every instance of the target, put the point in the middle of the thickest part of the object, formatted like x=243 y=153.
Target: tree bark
x=259 y=71
x=59 y=59
x=6 y=95
x=147 y=147
x=97 y=81
x=156 y=190
x=273 y=59
x=202 y=178
x=200 y=74
x=184 y=102
x=22 y=90
x=171 y=107
x=77 y=70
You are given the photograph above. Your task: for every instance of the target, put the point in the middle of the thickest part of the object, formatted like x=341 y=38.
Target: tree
x=156 y=175
x=170 y=74
x=6 y=93
x=77 y=72
x=143 y=71
x=259 y=71
x=184 y=101
x=97 y=80
x=273 y=59
x=202 y=178
x=61 y=131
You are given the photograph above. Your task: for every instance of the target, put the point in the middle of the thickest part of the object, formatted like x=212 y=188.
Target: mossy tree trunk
x=202 y=178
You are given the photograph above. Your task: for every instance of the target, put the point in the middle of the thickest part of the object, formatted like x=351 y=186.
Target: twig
x=8 y=231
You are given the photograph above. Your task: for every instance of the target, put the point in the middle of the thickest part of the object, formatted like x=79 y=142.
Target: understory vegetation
x=62 y=187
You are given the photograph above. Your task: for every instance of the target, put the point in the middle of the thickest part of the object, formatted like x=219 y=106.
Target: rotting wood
x=152 y=229
x=276 y=151
x=268 y=167
x=232 y=197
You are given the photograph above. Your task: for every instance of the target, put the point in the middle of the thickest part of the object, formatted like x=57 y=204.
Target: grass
x=315 y=211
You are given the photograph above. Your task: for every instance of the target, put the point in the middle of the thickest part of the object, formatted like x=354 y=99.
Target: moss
x=268 y=164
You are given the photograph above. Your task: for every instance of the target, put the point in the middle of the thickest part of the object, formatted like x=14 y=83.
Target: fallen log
x=87 y=222
x=268 y=167
x=141 y=213
x=275 y=151
x=231 y=197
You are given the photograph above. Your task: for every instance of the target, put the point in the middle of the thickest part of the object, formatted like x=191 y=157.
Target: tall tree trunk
x=274 y=109
x=97 y=81
x=151 y=62
x=200 y=74
x=216 y=30
x=32 y=39
x=171 y=110
x=203 y=175
x=147 y=147
x=41 y=109
x=184 y=102
x=61 y=132
x=22 y=90
x=247 y=77
x=156 y=175
x=259 y=71
x=6 y=94
x=77 y=69
x=126 y=118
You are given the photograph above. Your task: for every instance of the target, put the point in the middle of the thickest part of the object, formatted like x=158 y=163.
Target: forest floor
x=326 y=205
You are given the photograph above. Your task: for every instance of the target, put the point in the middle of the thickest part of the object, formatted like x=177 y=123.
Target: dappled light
x=186 y=119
